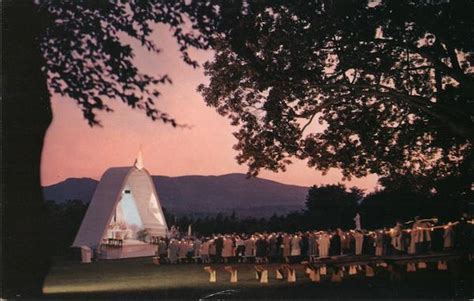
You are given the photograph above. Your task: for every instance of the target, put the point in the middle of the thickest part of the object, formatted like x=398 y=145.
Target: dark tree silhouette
x=87 y=59
x=64 y=220
x=332 y=206
x=76 y=49
x=390 y=83
x=403 y=202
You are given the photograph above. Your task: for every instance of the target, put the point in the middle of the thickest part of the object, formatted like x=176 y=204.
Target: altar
x=119 y=234
x=129 y=249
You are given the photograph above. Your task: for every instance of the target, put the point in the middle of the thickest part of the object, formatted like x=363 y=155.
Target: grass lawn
x=130 y=278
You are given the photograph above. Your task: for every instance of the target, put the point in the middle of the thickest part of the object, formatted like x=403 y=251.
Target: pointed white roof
x=106 y=197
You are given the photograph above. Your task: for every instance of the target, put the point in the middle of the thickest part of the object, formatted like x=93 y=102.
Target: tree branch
x=457 y=74
x=445 y=114
x=457 y=125
x=464 y=79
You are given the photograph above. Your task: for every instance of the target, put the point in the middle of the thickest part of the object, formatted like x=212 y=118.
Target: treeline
x=327 y=207
x=335 y=206
x=221 y=223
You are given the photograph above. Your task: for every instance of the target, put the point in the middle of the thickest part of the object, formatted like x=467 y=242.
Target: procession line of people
x=422 y=236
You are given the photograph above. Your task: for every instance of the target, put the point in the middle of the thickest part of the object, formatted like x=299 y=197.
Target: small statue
x=357 y=222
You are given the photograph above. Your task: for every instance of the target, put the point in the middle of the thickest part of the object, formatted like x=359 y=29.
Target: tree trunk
x=26 y=117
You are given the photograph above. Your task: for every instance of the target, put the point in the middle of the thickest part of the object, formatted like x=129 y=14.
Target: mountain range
x=202 y=195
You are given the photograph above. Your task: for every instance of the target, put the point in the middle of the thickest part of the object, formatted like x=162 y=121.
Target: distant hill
x=203 y=195
x=71 y=189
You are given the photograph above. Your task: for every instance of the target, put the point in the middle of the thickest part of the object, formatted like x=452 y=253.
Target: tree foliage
x=384 y=208
x=389 y=82
x=332 y=206
x=64 y=220
x=88 y=56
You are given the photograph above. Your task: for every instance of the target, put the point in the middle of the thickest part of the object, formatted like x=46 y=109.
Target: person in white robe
x=422 y=235
x=197 y=248
x=323 y=244
x=183 y=248
x=227 y=250
x=249 y=245
x=173 y=251
x=448 y=237
x=426 y=225
x=396 y=237
x=295 y=245
x=359 y=241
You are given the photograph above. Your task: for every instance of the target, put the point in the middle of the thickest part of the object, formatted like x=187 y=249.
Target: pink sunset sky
x=73 y=149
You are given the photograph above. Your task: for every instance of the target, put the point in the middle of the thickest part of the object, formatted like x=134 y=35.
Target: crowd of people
x=413 y=237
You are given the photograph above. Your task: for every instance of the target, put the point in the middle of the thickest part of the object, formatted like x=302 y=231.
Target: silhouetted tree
x=383 y=208
x=294 y=221
x=169 y=217
x=79 y=50
x=405 y=201
x=275 y=223
x=332 y=206
x=64 y=220
x=389 y=82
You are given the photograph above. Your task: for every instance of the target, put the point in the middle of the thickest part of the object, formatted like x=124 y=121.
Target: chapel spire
x=139 y=160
